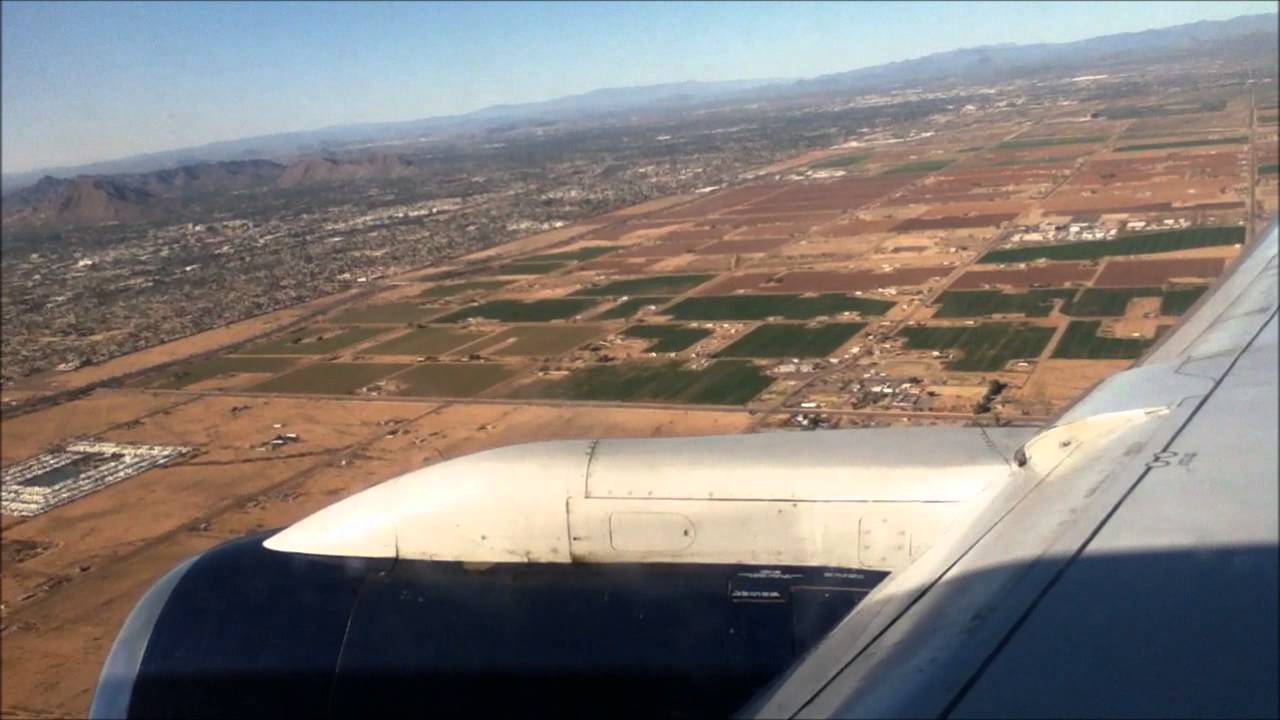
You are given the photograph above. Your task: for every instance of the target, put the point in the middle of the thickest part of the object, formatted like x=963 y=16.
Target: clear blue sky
x=83 y=82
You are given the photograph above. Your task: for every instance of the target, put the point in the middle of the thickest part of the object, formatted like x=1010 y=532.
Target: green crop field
x=443 y=291
x=1271 y=169
x=920 y=166
x=312 y=341
x=328 y=378
x=522 y=311
x=386 y=314
x=1035 y=142
x=1081 y=342
x=670 y=338
x=452 y=379
x=1130 y=112
x=654 y=285
x=1177 y=302
x=1111 y=302
x=759 y=307
x=985 y=347
x=631 y=306
x=1012 y=162
x=530 y=268
x=206 y=369
x=1144 y=244
x=1182 y=144
x=425 y=341
x=781 y=340
x=839 y=162
x=977 y=303
x=538 y=340
x=726 y=382
x=589 y=252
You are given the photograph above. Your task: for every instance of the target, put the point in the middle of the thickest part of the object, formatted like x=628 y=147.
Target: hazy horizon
x=93 y=82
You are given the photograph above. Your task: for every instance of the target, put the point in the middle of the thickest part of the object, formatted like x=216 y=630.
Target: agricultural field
x=1081 y=341
x=447 y=291
x=791 y=340
x=1144 y=244
x=760 y=307
x=840 y=161
x=328 y=378
x=1036 y=142
x=530 y=268
x=225 y=365
x=589 y=252
x=921 y=166
x=979 y=303
x=316 y=340
x=396 y=313
x=631 y=306
x=1182 y=144
x=652 y=285
x=522 y=310
x=983 y=348
x=450 y=379
x=537 y=340
x=669 y=338
x=425 y=341
x=1271 y=169
x=724 y=382
x=1178 y=301
x=1111 y=302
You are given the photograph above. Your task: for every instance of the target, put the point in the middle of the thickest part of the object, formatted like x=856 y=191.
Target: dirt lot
x=736 y=247
x=954 y=221
x=1048 y=274
x=1054 y=383
x=30 y=434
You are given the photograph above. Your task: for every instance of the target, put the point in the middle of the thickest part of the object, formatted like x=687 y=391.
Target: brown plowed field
x=701 y=234
x=733 y=283
x=617 y=265
x=954 y=221
x=722 y=201
x=1050 y=275
x=1138 y=273
x=750 y=217
x=856 y=227
x=839 y=195
x=617 y=232
x=779 y=230
x=661 y=249
x=735 y=247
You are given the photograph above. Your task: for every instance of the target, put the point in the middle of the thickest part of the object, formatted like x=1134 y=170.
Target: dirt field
x=954 y=221
x=1133 y=273
x=1055 y=383
x=1048 y=274
x=735 y=247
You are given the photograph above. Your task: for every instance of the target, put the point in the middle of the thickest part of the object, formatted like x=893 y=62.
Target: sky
x=85 y=81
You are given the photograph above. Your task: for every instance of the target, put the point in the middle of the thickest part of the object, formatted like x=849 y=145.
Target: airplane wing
x=1129 y=569
x=1121 y=561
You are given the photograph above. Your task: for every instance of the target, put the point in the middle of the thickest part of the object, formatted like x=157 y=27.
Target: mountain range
x=147 y=186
